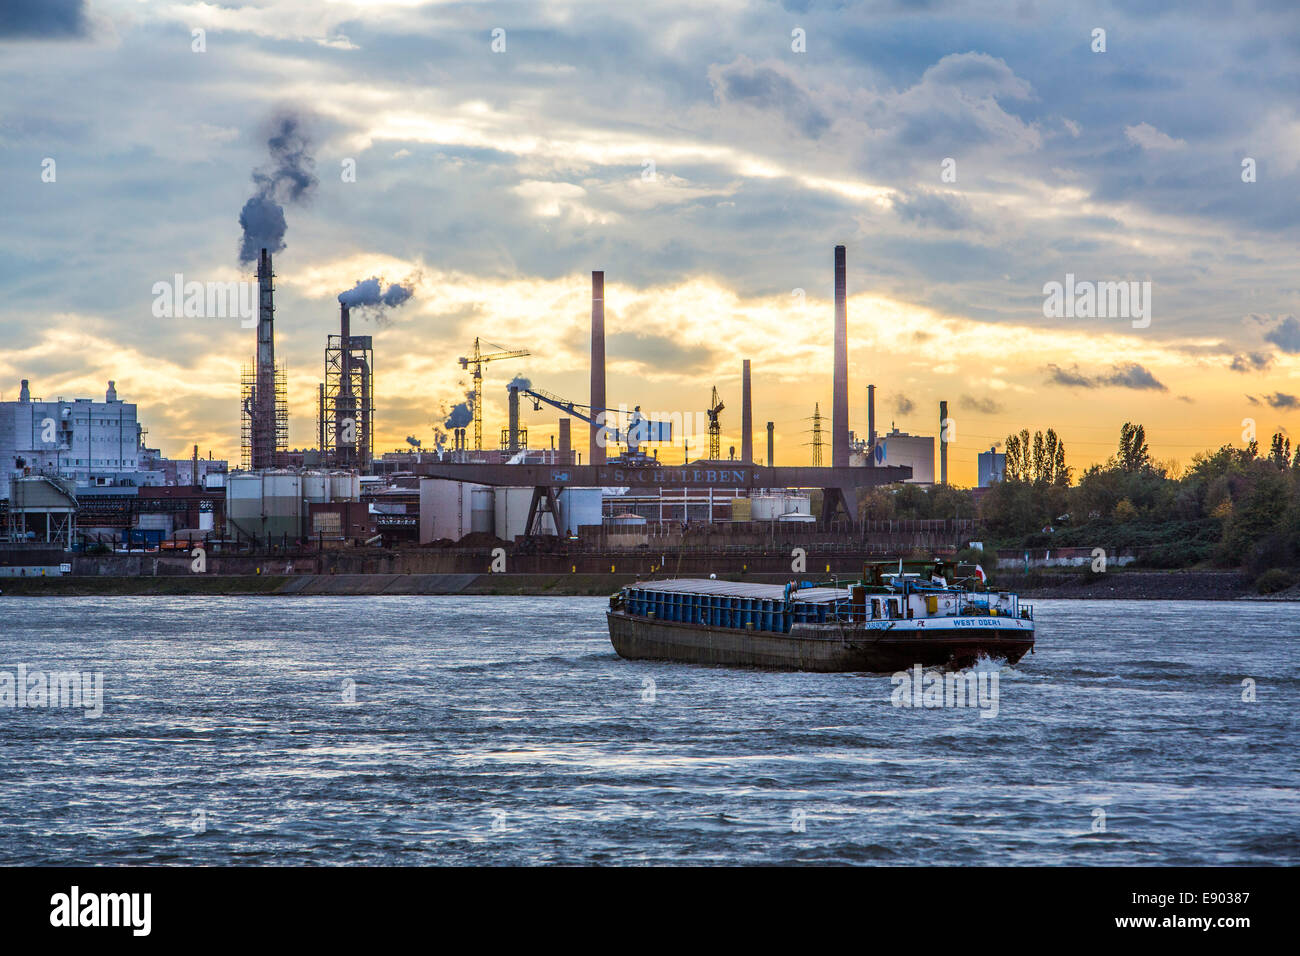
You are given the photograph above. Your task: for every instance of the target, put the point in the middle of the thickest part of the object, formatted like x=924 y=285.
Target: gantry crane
x=476 y=359
x=640 y=430
x=715 y=427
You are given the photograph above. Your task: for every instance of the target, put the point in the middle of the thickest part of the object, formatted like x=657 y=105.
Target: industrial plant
x=79 y=479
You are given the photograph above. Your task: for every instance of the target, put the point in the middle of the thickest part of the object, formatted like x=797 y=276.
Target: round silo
x=579 y=507
x=282 y=500
x=244 y=505
x=345 y=486
x=482 y=510
x=315 y=487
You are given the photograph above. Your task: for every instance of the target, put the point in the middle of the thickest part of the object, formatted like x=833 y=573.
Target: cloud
x=1123 y=375
x=1251 y=362
x=1285 y=335
x=932 y=209
x=1282 y=400
x=44 y=19
x=1068 y=377
x=1150 y=138
x=770 y=88
x=985 y=406
x=904 y=405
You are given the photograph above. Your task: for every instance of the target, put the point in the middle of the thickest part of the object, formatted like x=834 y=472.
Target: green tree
x=1280 y=451
x=1134 y=455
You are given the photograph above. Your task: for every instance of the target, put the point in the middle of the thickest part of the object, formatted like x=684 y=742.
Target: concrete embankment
x=318 y=584
x=1130 y=585
x=1116 y=585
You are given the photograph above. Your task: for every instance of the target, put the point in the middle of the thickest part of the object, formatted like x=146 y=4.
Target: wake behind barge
x=886 y=623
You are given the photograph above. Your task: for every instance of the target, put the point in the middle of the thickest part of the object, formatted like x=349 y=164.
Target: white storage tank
x=482 y=512
x=766 y=507
x=512 y=513
x=447 y=508
x=244 y=505
x=578 y=507
x=345 y=486
x=627 y=521
x=315 y=487
x=282 y=504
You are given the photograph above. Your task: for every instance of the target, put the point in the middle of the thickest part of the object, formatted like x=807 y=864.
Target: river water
x=504 y=730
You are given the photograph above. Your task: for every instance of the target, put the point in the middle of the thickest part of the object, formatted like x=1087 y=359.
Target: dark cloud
x=985 y=406
x=1281 y=400
x=904 y=405
x=44 y=19
x=660 y=352
x=932 y=209
x=1124 y=375
x=1251 y=362
x=1285 y=335
x=1069 y=377
x=768 y=87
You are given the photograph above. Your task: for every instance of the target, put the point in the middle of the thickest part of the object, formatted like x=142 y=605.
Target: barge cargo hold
x=905 y=620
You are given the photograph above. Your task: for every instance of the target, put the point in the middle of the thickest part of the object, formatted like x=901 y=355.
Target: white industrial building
x=92 y=443
x=914 y=451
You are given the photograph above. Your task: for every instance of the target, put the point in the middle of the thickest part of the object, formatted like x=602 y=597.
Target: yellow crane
x=715 y=427
x=476 y=360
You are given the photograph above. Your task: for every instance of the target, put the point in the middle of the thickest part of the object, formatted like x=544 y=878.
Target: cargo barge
x=887 y=622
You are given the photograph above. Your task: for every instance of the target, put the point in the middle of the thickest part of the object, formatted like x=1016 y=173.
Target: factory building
x=914 y=451
x=92 y=443
x=991 y=466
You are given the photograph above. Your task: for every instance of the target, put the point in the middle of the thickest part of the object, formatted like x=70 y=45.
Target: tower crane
x=715 y=427
x=640 y=430
x=476 y=360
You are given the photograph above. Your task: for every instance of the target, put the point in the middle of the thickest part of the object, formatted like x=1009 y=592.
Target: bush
x=1274 y=580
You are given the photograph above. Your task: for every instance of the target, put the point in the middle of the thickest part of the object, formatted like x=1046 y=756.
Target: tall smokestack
x=746 y=417
x=943 y=444
x=512 y=429
x=771 y=446
x=566 y=441
x=263 y=424
x=871 y=425
x=840 y=378
x=597 y=455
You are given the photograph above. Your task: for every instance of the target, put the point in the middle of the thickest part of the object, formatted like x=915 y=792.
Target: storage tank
x=482 y=510
x=578 y=507
x=244 y=505
x=345 y=486
x=282 y=504
x=315 y=487
x=766 y=507
x=512 y=513
x=627 y=521
x=447 y=508
x=797 y=505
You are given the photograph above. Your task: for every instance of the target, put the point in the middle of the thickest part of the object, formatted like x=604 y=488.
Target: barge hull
x=813 y=648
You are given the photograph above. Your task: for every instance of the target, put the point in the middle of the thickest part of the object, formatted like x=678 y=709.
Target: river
x=504 y=730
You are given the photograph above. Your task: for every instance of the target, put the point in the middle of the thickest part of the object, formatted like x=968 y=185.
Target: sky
x=489 y=156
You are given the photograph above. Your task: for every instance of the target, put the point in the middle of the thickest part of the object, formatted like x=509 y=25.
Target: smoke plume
x=371 y=293
x=287 y=179
x=462 y=414
x=519 y=382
